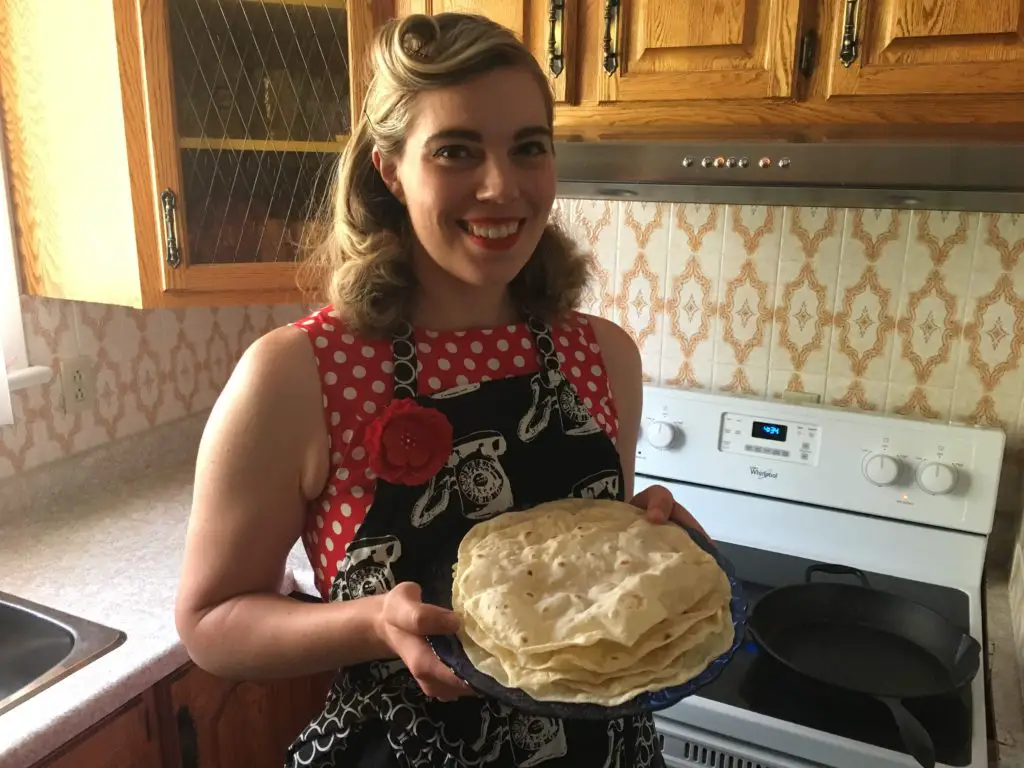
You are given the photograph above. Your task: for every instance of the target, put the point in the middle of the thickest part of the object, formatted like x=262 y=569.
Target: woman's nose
x=498 y=182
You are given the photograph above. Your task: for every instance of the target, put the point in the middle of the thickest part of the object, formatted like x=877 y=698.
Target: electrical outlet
x=77 y=384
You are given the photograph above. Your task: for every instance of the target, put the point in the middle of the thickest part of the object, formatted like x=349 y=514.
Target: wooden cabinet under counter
x=240 y=724
x=193 y=719
x=128 y=738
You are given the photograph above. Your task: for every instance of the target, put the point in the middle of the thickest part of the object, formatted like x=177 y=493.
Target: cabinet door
x=548 y=27
x=126 y=739
x=683 y=50
x=910 y=47
x=231 y=724
x=251 y=104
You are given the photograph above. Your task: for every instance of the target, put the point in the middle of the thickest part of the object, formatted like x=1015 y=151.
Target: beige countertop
x=100 y=536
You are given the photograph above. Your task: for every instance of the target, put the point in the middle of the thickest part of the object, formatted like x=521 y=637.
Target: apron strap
x=545 y=344
x=403 y=355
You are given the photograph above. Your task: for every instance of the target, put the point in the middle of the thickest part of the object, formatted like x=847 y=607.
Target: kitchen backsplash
x=918 y=314
x=152 y=367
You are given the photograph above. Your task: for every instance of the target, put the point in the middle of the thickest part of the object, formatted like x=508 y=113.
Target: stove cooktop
x=754 y=681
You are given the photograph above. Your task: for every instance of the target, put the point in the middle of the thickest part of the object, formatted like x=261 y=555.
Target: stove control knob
x=881 y=469
x=936 y=478
x=662 y=435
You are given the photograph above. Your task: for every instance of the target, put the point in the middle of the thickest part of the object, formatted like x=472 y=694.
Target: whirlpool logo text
x=763 y=474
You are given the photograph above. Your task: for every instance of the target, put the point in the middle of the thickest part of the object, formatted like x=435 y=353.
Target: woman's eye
x=533 y=148
x=452 y=153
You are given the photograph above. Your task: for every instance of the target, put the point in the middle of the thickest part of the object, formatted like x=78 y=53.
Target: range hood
x=922 y=174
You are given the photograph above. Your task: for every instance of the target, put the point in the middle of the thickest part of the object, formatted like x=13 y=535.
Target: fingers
x=405 y=611
x=659 y=507
x=408 y=620
x=433 y=677
x=682 y=515
x=657 y=503
x=656 y=515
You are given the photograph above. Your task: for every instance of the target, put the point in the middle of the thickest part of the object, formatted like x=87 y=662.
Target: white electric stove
x=781 y=486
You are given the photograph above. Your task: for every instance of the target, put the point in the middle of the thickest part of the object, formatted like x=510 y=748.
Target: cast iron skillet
x=860 y=639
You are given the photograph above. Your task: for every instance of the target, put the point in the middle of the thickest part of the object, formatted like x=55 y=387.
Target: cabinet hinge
x=808 y=52
x=170 y=204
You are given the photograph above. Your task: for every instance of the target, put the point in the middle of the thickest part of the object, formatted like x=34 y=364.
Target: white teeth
x=493 y=233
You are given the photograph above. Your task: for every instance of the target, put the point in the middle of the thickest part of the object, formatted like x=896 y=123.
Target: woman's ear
x=389 y=173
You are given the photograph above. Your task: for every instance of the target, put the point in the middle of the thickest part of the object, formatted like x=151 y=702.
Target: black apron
x=517 y=442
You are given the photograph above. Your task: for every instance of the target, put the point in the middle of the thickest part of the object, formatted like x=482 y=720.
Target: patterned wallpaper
x=919 y=314
x=916 y=314
x=151 y=367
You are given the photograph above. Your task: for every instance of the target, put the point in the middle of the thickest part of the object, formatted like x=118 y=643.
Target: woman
x=452 y=300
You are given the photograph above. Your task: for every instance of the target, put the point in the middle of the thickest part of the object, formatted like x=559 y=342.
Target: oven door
x=686 y=747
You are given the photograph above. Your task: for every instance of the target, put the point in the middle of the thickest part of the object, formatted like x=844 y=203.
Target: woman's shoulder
x=601 y=336
x=330 y=335
x=620 y=362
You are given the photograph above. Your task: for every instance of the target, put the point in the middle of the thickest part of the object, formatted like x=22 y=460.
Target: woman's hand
x=403 y=623
x=659 y=507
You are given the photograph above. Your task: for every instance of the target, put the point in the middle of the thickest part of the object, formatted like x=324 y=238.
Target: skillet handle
x=915 y=737
x=839 y=570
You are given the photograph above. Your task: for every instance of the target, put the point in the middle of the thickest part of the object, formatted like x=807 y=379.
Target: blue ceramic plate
x=449 y=650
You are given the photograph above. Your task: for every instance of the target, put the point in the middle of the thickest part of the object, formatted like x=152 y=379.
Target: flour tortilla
x=604 y=659
x=715 y=639
x=584 y=601
x=575 y=571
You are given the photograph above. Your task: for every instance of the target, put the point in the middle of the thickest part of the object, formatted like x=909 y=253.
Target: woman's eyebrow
x=467 y=134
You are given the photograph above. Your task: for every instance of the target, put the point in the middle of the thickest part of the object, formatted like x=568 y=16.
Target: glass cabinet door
x=262 y=108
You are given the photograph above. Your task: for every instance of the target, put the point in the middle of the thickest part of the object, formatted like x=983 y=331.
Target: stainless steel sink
x=40 y=645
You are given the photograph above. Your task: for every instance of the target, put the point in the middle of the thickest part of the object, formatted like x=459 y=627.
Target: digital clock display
x=767 y=431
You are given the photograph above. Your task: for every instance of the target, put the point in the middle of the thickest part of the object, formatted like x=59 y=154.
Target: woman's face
x=477 y=176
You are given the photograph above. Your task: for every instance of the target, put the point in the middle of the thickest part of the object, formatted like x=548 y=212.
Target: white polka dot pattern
x=358 y=380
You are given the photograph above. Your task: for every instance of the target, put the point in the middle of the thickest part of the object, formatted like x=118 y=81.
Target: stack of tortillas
x=584 y=601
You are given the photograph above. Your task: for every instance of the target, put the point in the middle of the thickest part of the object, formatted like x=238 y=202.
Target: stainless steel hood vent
x=850 y=174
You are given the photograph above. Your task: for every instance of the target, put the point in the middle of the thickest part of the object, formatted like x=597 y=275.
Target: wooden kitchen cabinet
x=193 y=719
x=671 y=51
x=924 y=47
x=773 y=69
x=548 y=27
x=128 y=738
x=168 y=152
x=232 y=724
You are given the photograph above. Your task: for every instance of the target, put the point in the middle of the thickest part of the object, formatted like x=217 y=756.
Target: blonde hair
x=359 y=257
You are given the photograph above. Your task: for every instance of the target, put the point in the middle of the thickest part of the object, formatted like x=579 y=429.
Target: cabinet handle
x=808 y=47
x=556 y=37
x=170 y=205
x=848 y=50
x=611 y=17
x=188 y=744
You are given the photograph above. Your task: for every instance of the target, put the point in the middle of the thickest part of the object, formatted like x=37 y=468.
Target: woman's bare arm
x=625 y=380
x=262 y=456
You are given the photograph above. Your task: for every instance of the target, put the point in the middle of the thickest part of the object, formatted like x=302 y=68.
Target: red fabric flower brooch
x=408 y=444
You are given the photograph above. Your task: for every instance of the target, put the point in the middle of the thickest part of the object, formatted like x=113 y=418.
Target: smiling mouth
x=492 y=231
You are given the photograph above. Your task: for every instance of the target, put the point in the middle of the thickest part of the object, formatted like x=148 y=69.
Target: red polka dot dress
x=357 y=380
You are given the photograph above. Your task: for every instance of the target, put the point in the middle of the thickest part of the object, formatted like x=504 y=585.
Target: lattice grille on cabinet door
x=262 y=108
